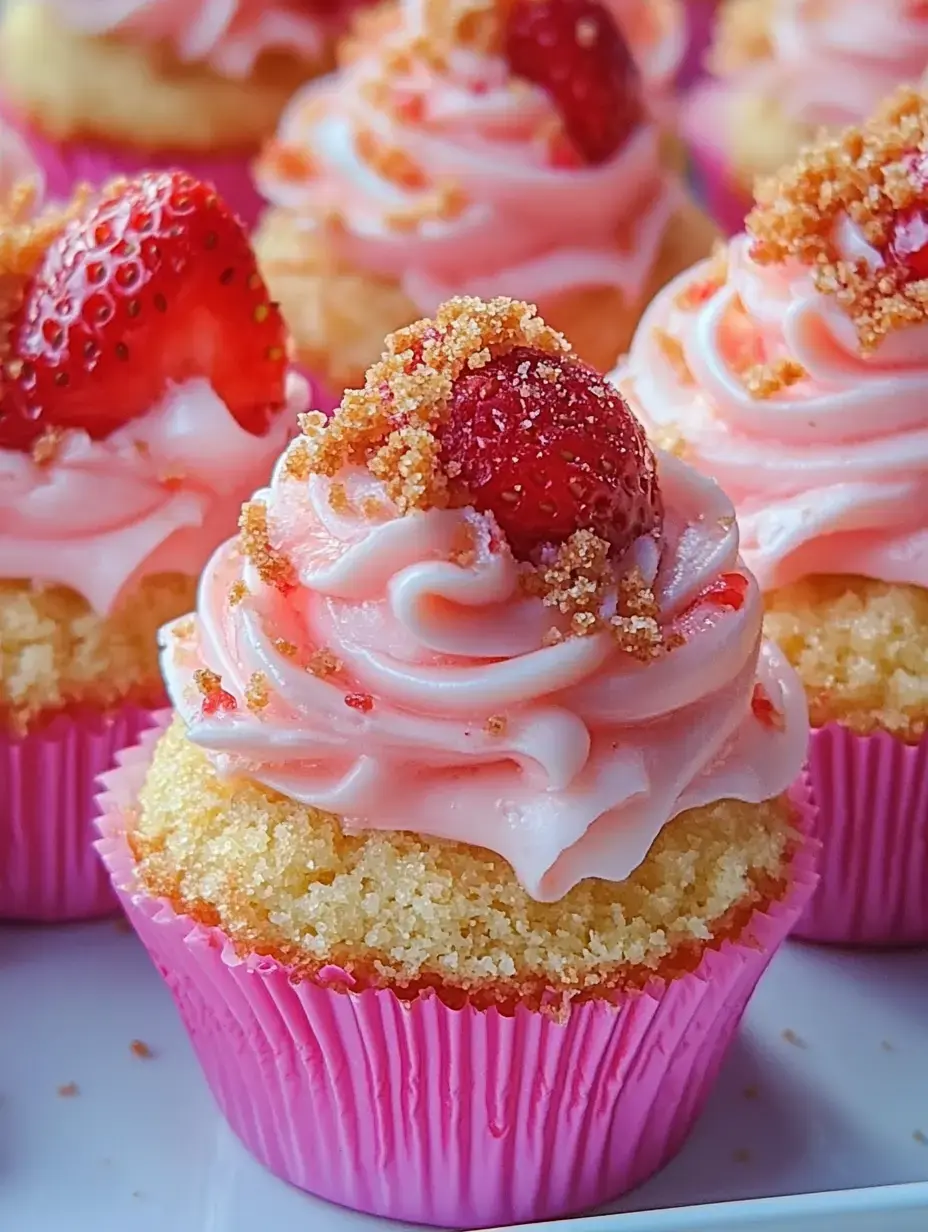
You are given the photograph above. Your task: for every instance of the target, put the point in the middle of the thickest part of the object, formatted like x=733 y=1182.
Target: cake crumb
x=257 y=692
x=792 y=1038
x=285 y=648
x=45 y=450
x=496 y=725
x=672 y=350
x=920 y=1136
x=140 y=1049
x=887 y=1046
x=339 y=501
x=273 y=567
x=767 y=380
x=323 y=664
x=237 y=592
x=68 y=1090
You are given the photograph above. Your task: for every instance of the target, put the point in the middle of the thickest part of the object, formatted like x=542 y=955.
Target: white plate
x=840 y=1101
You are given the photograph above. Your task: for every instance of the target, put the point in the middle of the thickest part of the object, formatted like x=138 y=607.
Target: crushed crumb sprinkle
x=868 y=174
x=285 y=648
x=790 y=1036
x=237 y=592
x=68 y=1090
x=339 y=501
x=496 y=725
x=920 y=1136
x=183 y=630
x=324 y=664
x=297 y=463
x=140 y=1049
x=672 y=350
x=207 y=681
x=766 y=380
x=254 y=543
x=257 y=692
x=45 y=450
x=714 y=277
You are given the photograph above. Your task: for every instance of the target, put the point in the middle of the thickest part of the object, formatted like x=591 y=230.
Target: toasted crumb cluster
x=861 y=649
x=766 y=380
x=273 y=568
x=388 y=426
x=578 y=581
x=868 y=174
x=55 y=652
x=743 y=36
x=410 y=912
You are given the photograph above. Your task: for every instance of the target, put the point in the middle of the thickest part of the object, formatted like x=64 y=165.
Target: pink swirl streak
x=597 y=751
x=230 y=35
x=156 y=496
x=528 y=229
x=834 y=61
x=828 y=474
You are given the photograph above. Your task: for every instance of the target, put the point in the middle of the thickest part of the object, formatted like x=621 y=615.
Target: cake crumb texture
x=409 y=912
x=56 y=652
x=861 y=649
x=65 y=82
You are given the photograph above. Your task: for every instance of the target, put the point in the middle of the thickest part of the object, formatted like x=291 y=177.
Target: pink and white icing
x=828 y=475
x=156 y=496
x=17 y=166
x=598 y=750
x=529 y=229
x=834 y=61
x=230 y=35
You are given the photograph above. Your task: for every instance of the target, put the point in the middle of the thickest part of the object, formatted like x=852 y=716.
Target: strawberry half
x=548 y=447
x=575 y=51
x=156 y=285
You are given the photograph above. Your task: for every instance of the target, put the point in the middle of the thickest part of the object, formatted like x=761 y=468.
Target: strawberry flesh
x=548 y=447
x=576 y=53
x=156 y=285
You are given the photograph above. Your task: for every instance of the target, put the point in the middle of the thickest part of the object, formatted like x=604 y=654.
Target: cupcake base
x=67 y=164
x=872 y=795
x=451 y=1117
x=49 y=870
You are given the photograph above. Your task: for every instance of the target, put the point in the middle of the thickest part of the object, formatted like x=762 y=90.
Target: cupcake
x=794 y=370
x=143 y=376
x=470 y=838
x=471 y=146
x=101 y=88
x=783 y=70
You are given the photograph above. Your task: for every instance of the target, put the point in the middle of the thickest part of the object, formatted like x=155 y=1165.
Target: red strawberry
x=548 y=447
x=158 y=283
x=574 y=50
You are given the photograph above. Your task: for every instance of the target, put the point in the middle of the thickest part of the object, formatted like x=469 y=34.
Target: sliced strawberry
x=549 y=448
x=575 y=51
x=157 y=284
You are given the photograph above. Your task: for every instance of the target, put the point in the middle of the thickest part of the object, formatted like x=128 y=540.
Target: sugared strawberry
x=908 y=237
x=157 y=284
x=574 y=50
x=547 y=446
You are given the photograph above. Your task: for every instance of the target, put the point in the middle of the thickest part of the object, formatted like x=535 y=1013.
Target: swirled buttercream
x=230 y=35
x=440 y=705
x=156 y=496
x=831 y=62
x=829 y=473
x=440 y=175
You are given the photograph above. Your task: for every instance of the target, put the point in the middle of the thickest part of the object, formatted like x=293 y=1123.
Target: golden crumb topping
x=388 y=426
x=875 y=176
x=254 y=542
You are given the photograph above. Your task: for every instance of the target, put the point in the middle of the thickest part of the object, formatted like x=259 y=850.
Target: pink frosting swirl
x=230 y=35
x=596 y=751
x=834 y=61
x=156 y=496
x=518 y=226
x=828 y=474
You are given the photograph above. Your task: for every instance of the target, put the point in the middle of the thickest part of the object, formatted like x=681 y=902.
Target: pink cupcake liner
x=49 y=870
x=872 y=797
x=65 y=164
x=717 y=185
x=456 y=1118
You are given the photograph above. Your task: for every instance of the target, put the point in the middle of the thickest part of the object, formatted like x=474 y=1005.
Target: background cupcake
x=101 y=88
x=474 y=791
x=490 y=153
x=783 y=70
x=794 y=370
x=144 y=370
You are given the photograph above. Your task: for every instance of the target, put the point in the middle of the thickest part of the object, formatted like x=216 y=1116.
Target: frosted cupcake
x=786 y=68
x=99 y=88
x=472 y=146
x=143 y=377
x=475 y=790
x=794 y=369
